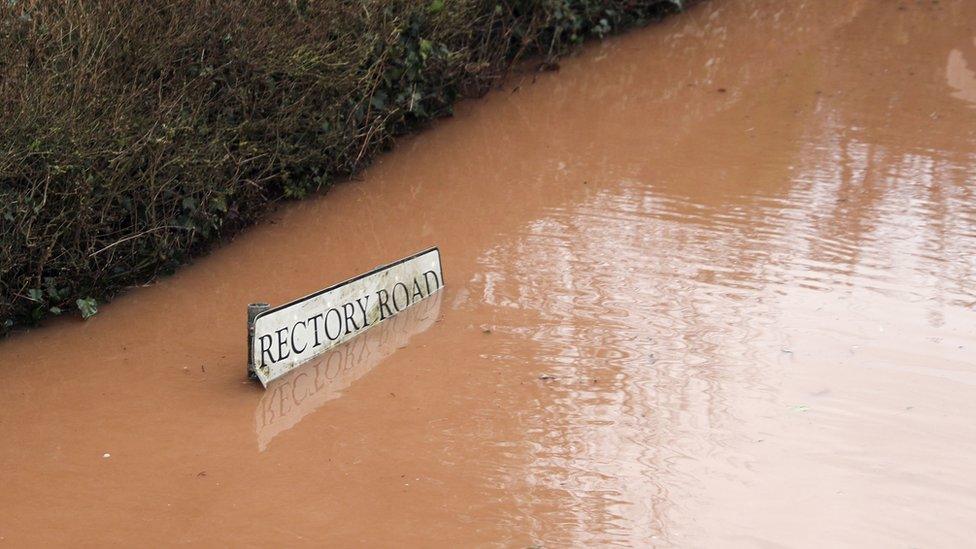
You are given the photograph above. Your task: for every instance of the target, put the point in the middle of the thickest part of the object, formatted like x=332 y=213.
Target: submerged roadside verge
x=135 y=136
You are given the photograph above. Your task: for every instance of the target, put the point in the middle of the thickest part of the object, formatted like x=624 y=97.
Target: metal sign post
x=253 y=310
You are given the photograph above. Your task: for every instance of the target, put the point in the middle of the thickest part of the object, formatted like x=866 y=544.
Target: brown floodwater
x=713 y=283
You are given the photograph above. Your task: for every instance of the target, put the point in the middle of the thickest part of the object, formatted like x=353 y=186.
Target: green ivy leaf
x=426 y=46
x=88 y=307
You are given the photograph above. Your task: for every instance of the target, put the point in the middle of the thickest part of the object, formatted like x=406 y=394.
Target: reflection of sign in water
x=295 y=332
x=303 y=390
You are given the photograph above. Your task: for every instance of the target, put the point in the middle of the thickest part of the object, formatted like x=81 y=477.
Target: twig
x=130 y=237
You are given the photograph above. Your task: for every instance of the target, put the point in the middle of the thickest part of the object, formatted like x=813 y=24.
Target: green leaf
x=426 y=46
x=88 y=307
x=436 y=6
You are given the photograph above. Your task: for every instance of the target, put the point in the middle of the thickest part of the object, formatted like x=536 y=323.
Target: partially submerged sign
x=288 y=335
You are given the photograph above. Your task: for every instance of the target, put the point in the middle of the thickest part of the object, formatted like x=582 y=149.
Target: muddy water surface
x=713 y=283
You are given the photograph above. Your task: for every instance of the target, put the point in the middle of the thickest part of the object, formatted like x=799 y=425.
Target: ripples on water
x=650 y=309
x=646 y=307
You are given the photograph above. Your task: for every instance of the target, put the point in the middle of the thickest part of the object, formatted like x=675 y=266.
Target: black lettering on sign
x=406 y=296
x=266 y=349
x=282 y=344
x=363 y=302
x=338 y=331
x=315 y=326
x=418 y=293
x=383 y=296
x=349 y=310
x=294 y=348
x=437 y=282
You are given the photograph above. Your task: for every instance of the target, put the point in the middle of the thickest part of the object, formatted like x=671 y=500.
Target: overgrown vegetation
x=134 y=134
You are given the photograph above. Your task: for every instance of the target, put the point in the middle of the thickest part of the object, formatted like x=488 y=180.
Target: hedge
x=136 y=134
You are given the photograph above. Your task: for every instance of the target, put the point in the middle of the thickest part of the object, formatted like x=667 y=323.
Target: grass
x=137 y=134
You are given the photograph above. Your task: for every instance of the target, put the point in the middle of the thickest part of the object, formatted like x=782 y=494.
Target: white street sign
x=293 y=333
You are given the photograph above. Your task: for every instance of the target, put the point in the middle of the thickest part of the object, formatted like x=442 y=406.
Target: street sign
x=283 y=337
